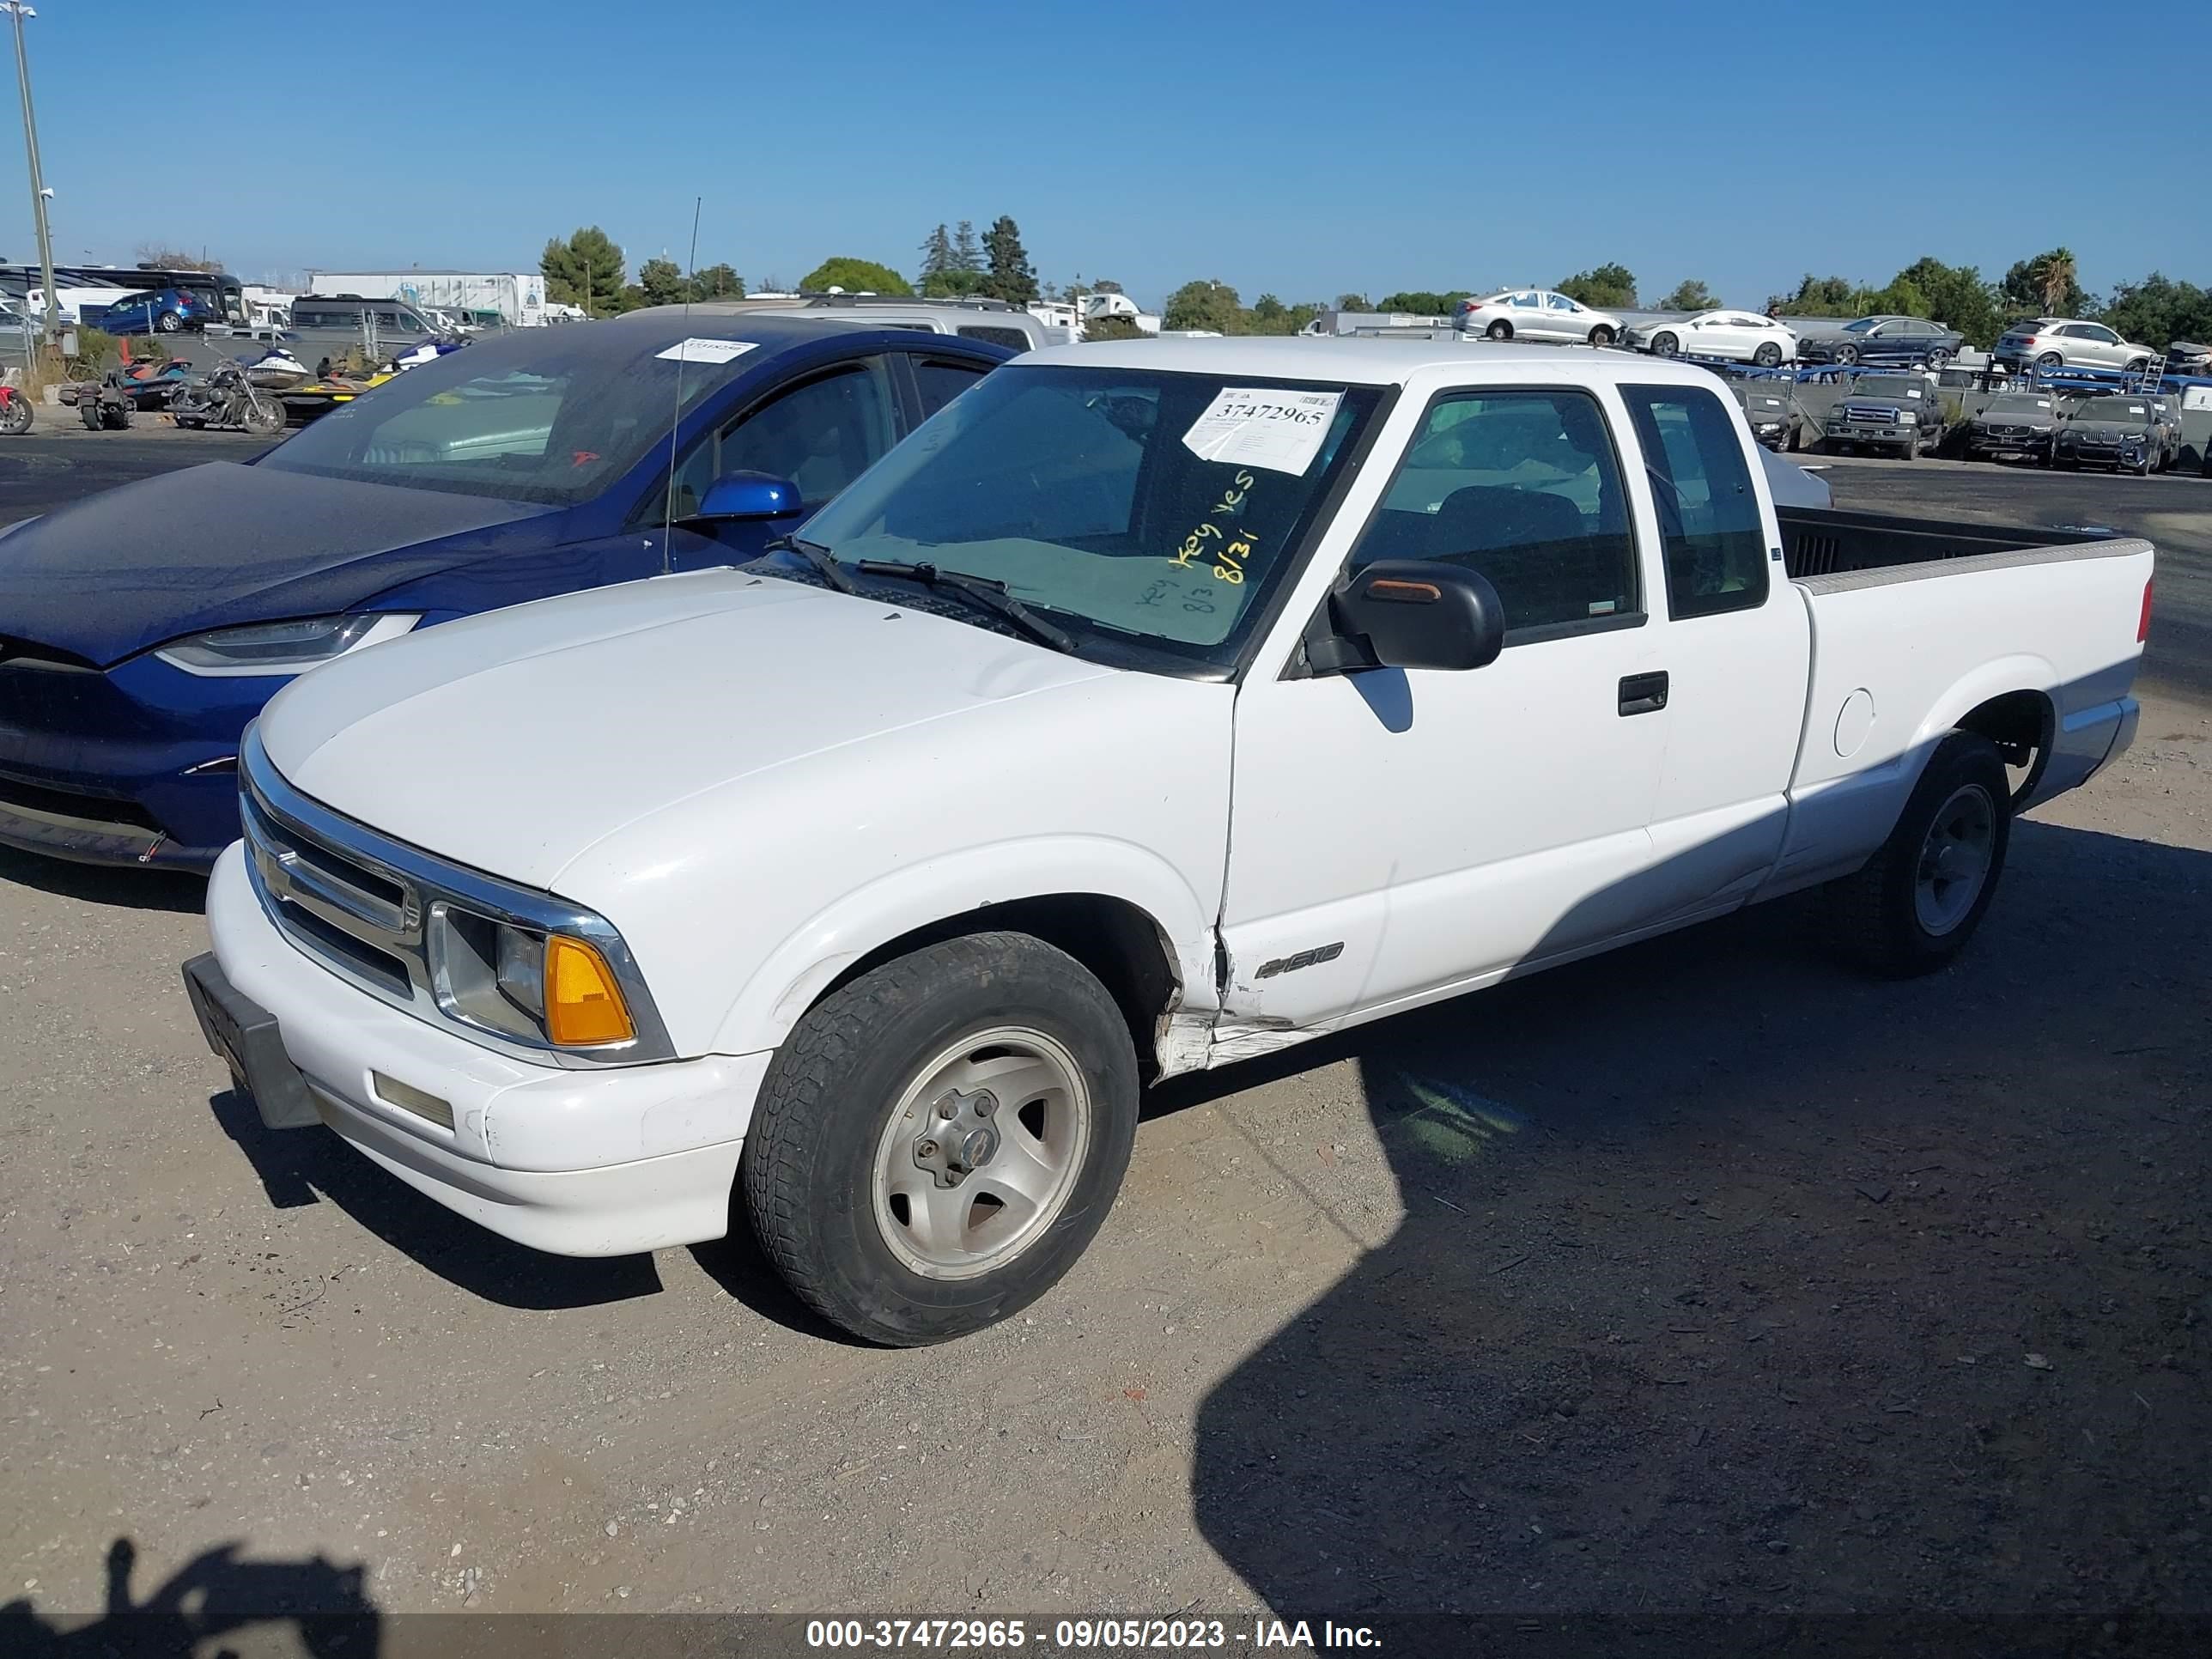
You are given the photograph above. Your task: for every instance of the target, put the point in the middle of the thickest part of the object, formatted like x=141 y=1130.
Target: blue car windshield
x=1157 y=510
x=551 y=415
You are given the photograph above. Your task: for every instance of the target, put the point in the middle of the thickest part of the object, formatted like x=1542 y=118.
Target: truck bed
x=1825 y=542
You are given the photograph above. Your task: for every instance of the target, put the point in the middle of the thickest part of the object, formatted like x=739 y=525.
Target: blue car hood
x=219 y=545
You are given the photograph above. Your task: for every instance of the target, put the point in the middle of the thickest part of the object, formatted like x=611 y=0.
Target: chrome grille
x=1866 y=414
x=364 y=922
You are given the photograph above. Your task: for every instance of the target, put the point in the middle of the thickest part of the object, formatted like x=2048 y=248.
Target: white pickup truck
x=1154 y=706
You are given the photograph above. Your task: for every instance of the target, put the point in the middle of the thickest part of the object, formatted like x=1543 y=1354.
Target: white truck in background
x=1153 y=707
x=518 y=296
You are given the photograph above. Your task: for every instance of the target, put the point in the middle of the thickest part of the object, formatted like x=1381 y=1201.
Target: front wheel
x=262 y=416
x=938 y=1141
x=2051 y=360
x=15 y=415
x=1601 y=336
x=1665 y=343
x=1500 y=330
x=1913 y=907
x=1847 y=354
x=1768 y=356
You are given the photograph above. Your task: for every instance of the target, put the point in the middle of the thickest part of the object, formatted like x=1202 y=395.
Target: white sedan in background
x=1535 y=313
x=1743 y=337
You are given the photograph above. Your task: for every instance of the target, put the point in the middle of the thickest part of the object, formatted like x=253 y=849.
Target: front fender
x=794 y=974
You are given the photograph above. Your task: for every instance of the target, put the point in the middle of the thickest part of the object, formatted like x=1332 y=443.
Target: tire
x=1938 y=357
x=1899 y=917
x=1601 y=336
x=88 y=411
x=264 y=417
x=1768 y=356
x=2136 y=366
x=2051 y=360
x=15 y=415
x=1911 y=452
x=831 y=1185
x=1500 y=330
x=1665 y=343
x=168 y=322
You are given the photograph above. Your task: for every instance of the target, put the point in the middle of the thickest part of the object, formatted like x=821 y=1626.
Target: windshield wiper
x=817 y=556
x=985 y=593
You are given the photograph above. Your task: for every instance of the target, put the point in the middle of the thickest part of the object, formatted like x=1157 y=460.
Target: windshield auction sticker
x=1263 y=426
x=698 y=350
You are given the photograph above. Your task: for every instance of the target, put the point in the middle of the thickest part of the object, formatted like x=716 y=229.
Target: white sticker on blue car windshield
x=699 y=350
x=1263 y=426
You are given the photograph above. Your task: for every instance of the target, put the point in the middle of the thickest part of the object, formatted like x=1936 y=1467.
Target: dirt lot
x=1707 y=1278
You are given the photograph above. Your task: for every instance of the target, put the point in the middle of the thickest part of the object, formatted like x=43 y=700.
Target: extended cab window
x=940 y=381
x=1525 y=488
x=1709 y=522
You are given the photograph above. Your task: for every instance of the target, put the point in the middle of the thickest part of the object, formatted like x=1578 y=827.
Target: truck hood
x=221 y=545
x=515 y=740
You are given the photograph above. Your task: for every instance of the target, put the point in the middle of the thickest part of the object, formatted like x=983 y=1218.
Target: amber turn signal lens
x=583 y=1005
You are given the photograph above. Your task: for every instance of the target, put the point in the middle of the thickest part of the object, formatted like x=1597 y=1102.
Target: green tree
x=966 y=255
x=952 y=284
x=936 y=255
x=854 y=276
x=1421 y=302
x=1608 y=287
x=1112 y=328
x=2045 y=286
x=2158 y=311
x=586 y=270
x=1689 y=295
x=660 y=282
x=1012 y=278
x=1353 y=302
x=1207 y=305
x=1955 y=296
x=718 y=283
x=1819 y=297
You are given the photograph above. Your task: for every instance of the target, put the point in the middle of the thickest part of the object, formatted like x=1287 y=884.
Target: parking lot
x=1707 y=1278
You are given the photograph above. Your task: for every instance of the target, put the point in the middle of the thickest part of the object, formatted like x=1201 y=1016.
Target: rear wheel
x=938 y=1141
x=1665 y=343
x=16 y=414
x=1938 y=356
x=1601 y=336
x=88 y=411
x=168 y=322
x=1500 y=330
x=1913 y=907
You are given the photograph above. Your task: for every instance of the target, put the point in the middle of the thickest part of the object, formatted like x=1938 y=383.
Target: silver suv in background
x=993 y=321
x=2069 y=342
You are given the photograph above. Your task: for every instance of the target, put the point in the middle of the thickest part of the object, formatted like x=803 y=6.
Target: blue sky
x=1286 y=147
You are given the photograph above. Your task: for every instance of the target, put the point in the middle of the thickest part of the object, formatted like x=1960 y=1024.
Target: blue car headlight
x=269 y=649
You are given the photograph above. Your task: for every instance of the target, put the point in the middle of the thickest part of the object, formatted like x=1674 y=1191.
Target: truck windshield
x=530 y=415
x=1874 y=386
x=1161 y=507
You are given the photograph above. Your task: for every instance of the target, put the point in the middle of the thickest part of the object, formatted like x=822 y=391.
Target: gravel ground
x=1706 y=1278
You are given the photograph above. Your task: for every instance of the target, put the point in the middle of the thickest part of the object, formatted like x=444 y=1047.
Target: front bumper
x=1838 y=432
x=578 y=1163
x=129 y=765
x=2119 y=454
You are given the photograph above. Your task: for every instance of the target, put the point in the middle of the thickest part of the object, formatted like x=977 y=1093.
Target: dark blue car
x=140 y=628
x=156 y=310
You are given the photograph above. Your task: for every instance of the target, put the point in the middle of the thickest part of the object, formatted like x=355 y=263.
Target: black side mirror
x=748 y=496
x=1413 y=613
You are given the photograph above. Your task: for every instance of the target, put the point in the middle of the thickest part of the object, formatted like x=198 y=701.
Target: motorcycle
x=225 y=397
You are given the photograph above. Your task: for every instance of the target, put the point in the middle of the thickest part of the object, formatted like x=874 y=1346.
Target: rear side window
x=1524 y=488
x=1715 y=546
x=1004 y=336
x=940 y=381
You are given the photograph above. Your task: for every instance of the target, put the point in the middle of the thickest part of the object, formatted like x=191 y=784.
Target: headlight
x=284 y=647
x=1907 y=418
x=518 y=982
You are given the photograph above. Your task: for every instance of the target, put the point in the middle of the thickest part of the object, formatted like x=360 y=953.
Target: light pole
x=17 y=11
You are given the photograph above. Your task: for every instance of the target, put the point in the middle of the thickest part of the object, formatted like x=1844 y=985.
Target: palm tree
x=2058 y=281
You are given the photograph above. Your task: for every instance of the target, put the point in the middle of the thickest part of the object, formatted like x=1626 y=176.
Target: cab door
x=1397 y=834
